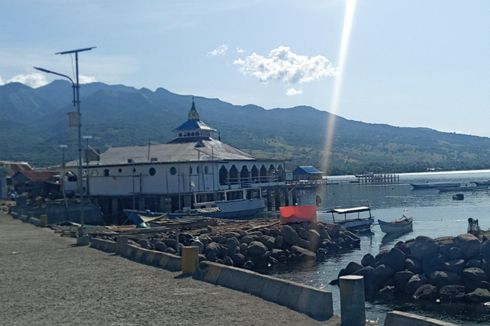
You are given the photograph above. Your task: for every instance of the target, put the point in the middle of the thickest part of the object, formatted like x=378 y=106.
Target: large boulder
x=232 y=242
x=478 y=295
x=314 y=239
x=160 y=246
x=323 y=232
x=268 y=241
x=256 y=249
x=413 y=265
x=368 y=260
x=454 y=253
x=414 y=283
x=401 y=279
x=423 y=247
x=238 y=259
x=432 y=263
x=292 y=238
x=370 y=287
x=279 y=242
x=302 y=253
x=380 y=256
x=474 y=274
x=469 y=245
x=474 y=263
x=395 y=258
x=426 y=292
x=387 y=293
x=485 y=250
x=442 y=278
x=382 y=274
x=451 y=293
x=456 y=266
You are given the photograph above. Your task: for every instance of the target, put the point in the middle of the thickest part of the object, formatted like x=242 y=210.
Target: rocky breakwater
x=260 y=248
x=448 y=269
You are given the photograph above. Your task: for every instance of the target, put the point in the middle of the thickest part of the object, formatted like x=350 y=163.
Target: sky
x=413 y=63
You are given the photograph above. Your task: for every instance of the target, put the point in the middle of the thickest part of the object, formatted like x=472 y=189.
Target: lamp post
x=87 y=138
x=76 y=102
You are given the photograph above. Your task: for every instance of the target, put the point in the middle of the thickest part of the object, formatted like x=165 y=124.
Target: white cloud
x=284 y=65
x=293 y=91
x=33 y=80
x=220 y=50
x=239 y=50
x=86 y=79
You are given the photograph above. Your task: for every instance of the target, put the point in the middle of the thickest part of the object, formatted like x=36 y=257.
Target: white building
x=193 y=167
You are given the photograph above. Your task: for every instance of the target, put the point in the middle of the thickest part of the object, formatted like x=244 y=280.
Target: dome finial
x=193 y=114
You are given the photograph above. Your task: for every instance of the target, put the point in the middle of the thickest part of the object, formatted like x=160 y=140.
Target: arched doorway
x=255 y=174
x=263 y=174
x=223 y=176
x=234 y=179
x=244 y=176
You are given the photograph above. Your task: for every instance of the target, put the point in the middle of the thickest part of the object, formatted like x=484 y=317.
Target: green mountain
x=33 y=123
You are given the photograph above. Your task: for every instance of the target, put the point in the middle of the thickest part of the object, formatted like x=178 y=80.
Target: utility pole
x=76 y=87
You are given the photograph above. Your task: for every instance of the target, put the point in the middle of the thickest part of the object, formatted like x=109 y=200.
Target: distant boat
x=463 y=188
x=458 y=197
x=434 y=185
x=359 y=224
x=482 y=183
x=232 y=209
x=402 y=225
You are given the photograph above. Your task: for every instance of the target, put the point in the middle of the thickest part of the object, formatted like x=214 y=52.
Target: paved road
x=45 y=280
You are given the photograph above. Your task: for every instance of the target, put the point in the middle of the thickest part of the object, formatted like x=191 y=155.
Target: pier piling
x=352 y=302
x=190 y=259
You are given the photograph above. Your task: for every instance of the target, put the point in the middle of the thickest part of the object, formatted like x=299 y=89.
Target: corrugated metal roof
x=194 y=125
x=306 y=169
x=173 y=152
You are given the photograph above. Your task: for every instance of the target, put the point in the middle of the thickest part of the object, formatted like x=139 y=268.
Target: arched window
x=152 y=171
x=255 y=174
x=244 y=175
x=234 y=175
x=173 y=170
x=272 y=173
x=119 y=170
x=263 y=174
x=223 y=176
x=280 y=172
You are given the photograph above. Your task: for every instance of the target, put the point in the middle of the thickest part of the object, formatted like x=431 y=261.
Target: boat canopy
x=350 y=210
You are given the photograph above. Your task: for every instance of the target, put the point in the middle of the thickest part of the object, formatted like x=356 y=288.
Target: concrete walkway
x=45 y=280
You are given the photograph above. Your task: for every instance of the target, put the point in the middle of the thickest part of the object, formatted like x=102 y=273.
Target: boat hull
x=396 y=227
x=435 y=185
x=357 y=224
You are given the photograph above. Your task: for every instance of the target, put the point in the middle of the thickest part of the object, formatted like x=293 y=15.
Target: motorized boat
x=458 y=197
x=142 y=218
x=402 y=225
x=434 y=185
x=482 y=183
x=357 y=224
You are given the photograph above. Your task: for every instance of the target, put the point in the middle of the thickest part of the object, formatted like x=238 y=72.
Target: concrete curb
x=149 y=257
x=398 y=318
x=305 y=299
x=103 y=245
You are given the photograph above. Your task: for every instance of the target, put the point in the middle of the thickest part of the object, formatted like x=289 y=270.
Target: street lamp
x=76 y=102
x=87 y=160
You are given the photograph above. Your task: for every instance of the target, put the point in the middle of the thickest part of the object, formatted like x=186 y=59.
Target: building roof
x=194 y=125
x=198 y=150
x=193 y=121
x=307 y=169
x=38 y=176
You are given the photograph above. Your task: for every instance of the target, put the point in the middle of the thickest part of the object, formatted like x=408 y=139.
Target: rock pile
x=263 y=248
x=448 y=269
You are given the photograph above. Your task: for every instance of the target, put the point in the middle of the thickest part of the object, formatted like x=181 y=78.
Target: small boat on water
x=434 y=185
x=358 y=224
x=482 y=183
x=402 y=225
x=463 y=187
x=458 y=197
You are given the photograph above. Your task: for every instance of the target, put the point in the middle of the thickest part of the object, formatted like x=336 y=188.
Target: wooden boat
x=401 y=225
x=142 y=218
x=434 y=185
x=464 y=187
x=358 y=224
x=458 y=197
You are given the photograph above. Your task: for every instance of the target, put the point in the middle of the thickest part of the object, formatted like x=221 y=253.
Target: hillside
x=33 y=122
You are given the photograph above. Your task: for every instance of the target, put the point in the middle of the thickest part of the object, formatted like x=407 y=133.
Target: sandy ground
x=45 y=280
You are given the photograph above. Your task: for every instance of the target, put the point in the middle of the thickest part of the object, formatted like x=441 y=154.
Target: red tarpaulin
x=294 y=214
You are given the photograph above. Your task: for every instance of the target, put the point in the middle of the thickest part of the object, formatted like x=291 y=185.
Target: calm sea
x=435 y=214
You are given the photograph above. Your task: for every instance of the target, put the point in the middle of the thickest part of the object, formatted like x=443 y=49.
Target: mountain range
x=33 y=122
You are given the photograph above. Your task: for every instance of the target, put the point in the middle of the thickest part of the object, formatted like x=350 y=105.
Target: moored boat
x=434 y=185
x=402 y=225
x=359 y=224
x=482 y=183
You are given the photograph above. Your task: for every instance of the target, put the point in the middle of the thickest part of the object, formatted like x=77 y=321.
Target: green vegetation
x=33 y=124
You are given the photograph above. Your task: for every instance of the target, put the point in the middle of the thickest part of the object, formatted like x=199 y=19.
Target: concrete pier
x=352 y=302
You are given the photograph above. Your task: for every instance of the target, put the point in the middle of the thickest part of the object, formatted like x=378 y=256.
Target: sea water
x=434 y=214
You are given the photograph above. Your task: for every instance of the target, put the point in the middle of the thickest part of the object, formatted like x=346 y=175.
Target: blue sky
x=409 y=62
